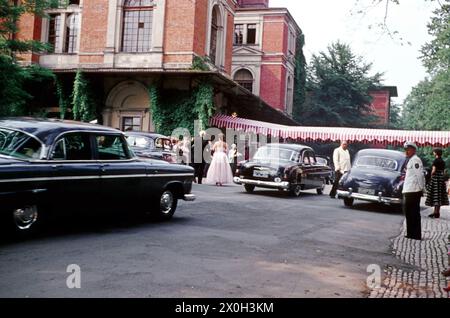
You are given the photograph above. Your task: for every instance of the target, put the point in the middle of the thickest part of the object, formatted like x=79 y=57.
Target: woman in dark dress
x=436 y=190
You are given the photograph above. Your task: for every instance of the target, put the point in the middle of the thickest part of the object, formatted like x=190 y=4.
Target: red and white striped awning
x=327 y=134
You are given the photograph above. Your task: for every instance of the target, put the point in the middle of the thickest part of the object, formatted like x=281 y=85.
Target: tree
x=428 y=105
x=13 y=76
x=299 y=79
x=338 y=85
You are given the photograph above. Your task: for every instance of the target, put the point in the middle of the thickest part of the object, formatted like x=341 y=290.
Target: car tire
x=295 y=190
x=166 y=205
x=25 y=220
x=348 y=202
x=249 y=188
x=320 y=190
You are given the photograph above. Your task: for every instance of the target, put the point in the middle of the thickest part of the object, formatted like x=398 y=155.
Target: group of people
x=224 y=160
x=413 y=188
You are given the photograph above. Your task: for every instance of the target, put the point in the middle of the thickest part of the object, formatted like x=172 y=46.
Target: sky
x=326 y=21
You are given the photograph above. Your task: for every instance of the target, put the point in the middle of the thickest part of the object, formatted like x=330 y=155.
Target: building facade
x=125 y=46
x=264 y=52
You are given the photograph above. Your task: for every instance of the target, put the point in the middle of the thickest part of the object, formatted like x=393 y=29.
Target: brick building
x=264 y=50
x=124 y=46
x=381 y=103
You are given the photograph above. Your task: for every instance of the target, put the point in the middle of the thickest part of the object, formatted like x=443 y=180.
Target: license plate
x=261 y=174
x=366 y=191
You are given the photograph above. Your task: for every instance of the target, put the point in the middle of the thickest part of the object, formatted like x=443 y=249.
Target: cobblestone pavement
x=424 y=261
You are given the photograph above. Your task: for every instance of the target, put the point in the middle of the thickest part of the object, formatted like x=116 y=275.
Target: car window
x=19 y=145
x=73 y=146
x=308 y=158
x=377 y=162
x=273 y=153
x=322 y=161
x=111 y=147
x=141 y=142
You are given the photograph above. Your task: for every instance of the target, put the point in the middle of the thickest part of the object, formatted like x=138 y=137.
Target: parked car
x=286 y=167
x=50 y=167
x=376 y=176
x=151 y=145
x=326 y=161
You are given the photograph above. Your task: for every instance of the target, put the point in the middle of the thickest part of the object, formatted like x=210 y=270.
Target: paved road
x=226 y=244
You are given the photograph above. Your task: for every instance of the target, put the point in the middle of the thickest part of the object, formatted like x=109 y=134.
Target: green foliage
x=83 y=107
x=173 y=109
x=428 y=105
x=299 y=79
x=199 y=64
x=63 y=101
x=339 y=82
x=436 y=54
x=395 y=117
x=13 y=80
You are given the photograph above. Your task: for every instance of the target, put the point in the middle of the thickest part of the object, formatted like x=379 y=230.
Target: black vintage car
x=50 y=167
x=326 y=161
x=376 y=176
x=286 y=167
x=151 y=145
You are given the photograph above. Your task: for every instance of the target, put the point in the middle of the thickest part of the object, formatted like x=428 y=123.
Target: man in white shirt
x=342 y=164
x=412 y=192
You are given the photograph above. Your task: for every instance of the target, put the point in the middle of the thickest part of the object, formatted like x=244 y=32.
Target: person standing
x=198 y=158
x=412 y=192
x=233 y=156
x=219 y=172
x=342 y=164
x=436 y=190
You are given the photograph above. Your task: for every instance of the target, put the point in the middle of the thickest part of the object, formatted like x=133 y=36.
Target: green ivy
x=299 y=79
x=173 y=109
x=199 y=64
x=83 y=107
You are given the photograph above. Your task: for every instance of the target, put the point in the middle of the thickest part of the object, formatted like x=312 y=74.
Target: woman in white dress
x=219 y=172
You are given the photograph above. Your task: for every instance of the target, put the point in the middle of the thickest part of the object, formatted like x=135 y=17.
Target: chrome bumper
x=266 y=184
x=367 y=197
x=189 y=197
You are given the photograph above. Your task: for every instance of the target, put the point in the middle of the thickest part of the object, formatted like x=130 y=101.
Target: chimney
x=257 y=4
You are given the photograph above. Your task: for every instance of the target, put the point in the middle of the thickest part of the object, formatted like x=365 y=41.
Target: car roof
x=47 y=129
x=152 y=135
x=393 y=154
x=294 y=147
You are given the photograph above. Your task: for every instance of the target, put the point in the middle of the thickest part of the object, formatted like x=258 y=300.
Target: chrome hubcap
x=166 y=202
x=25 y=217
x=297 y=190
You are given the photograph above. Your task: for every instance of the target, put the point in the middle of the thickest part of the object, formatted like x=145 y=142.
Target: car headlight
x=278 y=180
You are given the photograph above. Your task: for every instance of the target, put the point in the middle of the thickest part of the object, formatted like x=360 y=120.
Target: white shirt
x=341 y=160
x=414 y=178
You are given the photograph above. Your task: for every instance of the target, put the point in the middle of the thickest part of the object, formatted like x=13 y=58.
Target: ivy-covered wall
x=173 y=109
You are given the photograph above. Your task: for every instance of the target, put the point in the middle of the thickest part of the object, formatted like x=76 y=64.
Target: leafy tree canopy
x=338 y=84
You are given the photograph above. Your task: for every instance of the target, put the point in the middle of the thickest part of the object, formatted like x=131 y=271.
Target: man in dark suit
x=197 y=156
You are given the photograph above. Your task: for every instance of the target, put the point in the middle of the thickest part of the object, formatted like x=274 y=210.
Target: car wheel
x=167 y=205
x=295 y=190
x=25 y=219
x=348 y=202
x=321 y=189
x=249 y=188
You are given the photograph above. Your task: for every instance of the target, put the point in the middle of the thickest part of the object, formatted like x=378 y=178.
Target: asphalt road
x=226 y=244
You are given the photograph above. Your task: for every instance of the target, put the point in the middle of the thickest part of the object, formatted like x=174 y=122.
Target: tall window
x=64 y=39
x=214 y=35
x=137 y=26
x=238 y=34
x=289 y=95
x=245 y=79
x=251 y=33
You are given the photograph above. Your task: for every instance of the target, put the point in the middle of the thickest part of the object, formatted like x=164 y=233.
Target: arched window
x=137 y=26
x=245 y=79
x=214 y=34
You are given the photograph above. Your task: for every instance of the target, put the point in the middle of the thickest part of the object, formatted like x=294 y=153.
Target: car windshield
x=141 y=142
x=377 y=162
x=19 y=145
x=273 y=153
x=321 y=161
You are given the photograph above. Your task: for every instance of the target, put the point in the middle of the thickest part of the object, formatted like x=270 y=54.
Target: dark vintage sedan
x=286 y=167
x=50 y=167
x=376 y=176
x=151 y=146
x=326 y=161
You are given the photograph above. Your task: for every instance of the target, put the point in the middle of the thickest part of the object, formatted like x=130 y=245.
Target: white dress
x=219 y=170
